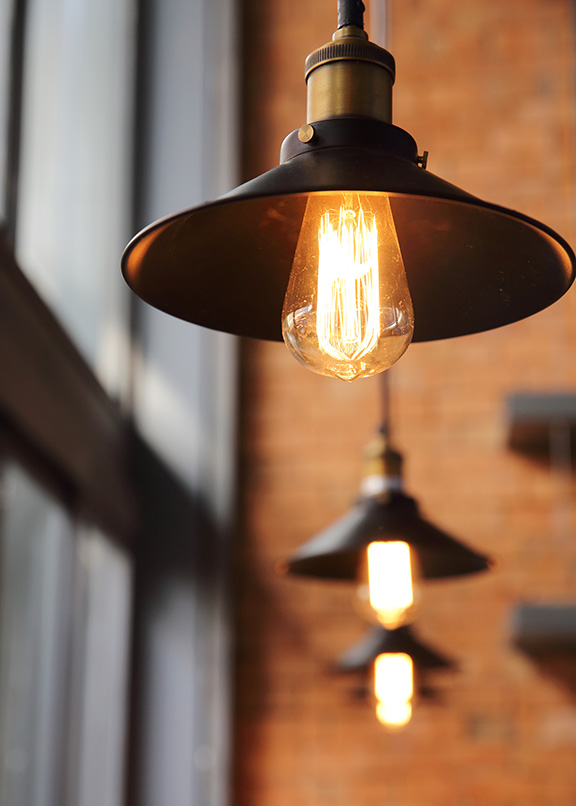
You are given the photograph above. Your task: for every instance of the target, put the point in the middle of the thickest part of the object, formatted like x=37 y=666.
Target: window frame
x=50 y=396
x=65 y=429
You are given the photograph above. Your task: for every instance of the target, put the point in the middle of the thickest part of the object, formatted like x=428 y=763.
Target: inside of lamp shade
x=434 y=562
x=224 y=266
x=473 y=268
x=334 y=553
x=470 y=267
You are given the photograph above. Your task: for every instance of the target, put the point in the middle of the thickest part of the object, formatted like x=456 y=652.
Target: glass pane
x=36 y=550
x=185 y=381
x=73 y=202
x=105 y=578
x=184 y=405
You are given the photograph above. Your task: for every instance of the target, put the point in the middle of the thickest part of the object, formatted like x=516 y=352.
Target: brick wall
x=488 y=89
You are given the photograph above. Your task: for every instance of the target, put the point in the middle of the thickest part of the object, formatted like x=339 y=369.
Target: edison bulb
x=347 y=311
x=394 y=688
x=387 y=590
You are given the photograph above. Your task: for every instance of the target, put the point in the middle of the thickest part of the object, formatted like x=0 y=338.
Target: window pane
x=106 y=586
x=184 y=406
x=184 y=383
x=73 y=201
x=36 y=549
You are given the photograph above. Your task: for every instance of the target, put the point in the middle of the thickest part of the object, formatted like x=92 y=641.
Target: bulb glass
x=347 y=311
x=387 y=591
x=394 y=688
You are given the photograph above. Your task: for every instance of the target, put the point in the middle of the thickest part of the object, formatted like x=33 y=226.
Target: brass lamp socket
x=381 y=460
x=349 y=76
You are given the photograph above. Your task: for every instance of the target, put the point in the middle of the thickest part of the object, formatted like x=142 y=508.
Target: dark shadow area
x=176 y=548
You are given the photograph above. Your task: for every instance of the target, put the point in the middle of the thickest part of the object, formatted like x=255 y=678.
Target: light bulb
x=387 y=583
x=347 y=311
x=394 y=688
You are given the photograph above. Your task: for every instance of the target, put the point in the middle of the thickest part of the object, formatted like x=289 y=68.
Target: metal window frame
x=50 y=396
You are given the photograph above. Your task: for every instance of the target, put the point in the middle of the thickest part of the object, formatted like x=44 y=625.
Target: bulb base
x=382 y=468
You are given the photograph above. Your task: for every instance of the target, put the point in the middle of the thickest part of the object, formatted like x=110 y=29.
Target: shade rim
x=333 y=553
x=378 y=640
x=225 y=264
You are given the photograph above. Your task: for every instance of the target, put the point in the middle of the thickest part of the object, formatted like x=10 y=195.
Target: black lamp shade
x=378 y=641
x=471 y=266
x=334 y=552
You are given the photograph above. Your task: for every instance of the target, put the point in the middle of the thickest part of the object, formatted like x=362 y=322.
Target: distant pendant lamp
x=383 y=543
x=379 y=640
x=394 y=663
x=350 y=248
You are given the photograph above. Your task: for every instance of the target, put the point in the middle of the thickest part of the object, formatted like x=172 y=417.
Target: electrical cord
x=351 y=12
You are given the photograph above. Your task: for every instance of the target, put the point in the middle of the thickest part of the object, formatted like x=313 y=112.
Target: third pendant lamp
x=350 y=248
x=395 y=663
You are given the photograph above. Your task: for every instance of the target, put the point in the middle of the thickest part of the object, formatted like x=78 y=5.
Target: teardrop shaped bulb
x=387 y=590
x=347 y=311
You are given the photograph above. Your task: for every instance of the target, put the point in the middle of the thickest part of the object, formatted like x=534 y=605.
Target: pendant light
x=349 y=248
x=384 y=545
x=395 y=664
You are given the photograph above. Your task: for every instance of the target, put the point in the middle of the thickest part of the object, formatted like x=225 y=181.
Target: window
x=64 y=605
x=116 y=422
x=73 y=202
x=36 y=592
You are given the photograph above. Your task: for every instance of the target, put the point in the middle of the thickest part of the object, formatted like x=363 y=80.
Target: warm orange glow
x=390 y=585
x=347 y=311
x=394 y=689
x=347 y=318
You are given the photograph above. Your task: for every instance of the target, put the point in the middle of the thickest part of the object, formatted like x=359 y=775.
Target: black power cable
x=351 y=12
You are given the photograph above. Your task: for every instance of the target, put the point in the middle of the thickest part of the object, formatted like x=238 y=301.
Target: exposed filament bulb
x=347 y=311
x=387 y=590
x=394 y=689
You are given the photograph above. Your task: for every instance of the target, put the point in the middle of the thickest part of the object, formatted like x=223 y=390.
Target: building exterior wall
x=488 y=89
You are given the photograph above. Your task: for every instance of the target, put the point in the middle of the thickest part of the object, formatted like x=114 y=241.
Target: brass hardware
x=350 y=76
x=306 y=133
x=380 y=459
x=423 y=160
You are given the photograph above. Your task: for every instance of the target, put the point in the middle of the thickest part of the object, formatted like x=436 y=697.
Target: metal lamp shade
x=362 y=655
x=333 y=553
x=471 y=266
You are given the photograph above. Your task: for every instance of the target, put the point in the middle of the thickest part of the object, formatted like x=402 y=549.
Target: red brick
x=489 y=90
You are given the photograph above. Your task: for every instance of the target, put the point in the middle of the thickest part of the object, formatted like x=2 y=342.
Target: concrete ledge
x=544 y=629
x=534 y=419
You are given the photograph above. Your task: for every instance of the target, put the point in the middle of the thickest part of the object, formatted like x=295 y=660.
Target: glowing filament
x=390 y=588
x=347 y=311
x=348 y=316
x=394 y=688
